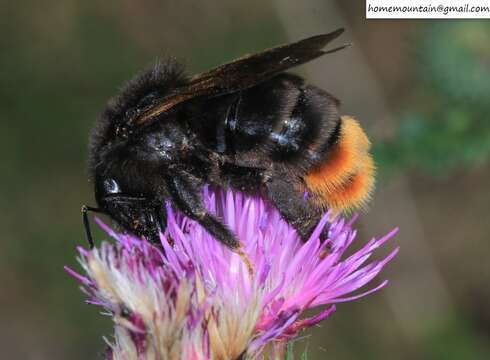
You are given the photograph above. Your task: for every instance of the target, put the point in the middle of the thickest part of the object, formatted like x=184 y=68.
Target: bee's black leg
x=161 y=214
x=292 y=205
x=185 y=195
x=86 y=223
x=160 y=224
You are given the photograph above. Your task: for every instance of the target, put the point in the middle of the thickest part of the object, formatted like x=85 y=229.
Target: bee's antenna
x=86 y=223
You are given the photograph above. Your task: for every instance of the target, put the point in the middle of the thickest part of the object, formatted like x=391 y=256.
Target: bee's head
x=139 y=215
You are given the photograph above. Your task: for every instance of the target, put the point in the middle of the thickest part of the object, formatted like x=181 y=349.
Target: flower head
x=192 y=298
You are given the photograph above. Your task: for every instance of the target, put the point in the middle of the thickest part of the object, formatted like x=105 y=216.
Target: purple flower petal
x=193 y=292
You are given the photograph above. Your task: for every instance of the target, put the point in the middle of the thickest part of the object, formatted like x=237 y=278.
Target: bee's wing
x=245 y=72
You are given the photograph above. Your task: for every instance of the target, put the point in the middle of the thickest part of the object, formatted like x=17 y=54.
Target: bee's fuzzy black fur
x=163 y=76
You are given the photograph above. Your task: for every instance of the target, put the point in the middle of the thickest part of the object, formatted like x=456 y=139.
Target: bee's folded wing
x=244 y=72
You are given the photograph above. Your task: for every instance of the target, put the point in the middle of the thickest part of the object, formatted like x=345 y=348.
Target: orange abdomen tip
x=345 y=178
x=355 y=192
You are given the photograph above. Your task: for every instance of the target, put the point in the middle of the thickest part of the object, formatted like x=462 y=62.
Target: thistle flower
x=194 y=299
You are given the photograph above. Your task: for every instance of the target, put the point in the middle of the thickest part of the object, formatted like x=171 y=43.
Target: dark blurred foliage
x=445 y=125
x=61 y=60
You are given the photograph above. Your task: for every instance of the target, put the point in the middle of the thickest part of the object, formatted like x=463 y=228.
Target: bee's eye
x=111 y=186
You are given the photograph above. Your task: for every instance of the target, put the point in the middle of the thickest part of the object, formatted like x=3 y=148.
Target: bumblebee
x=247 y=125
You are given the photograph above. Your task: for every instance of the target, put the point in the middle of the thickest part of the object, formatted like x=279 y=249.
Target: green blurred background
x=421 y=88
